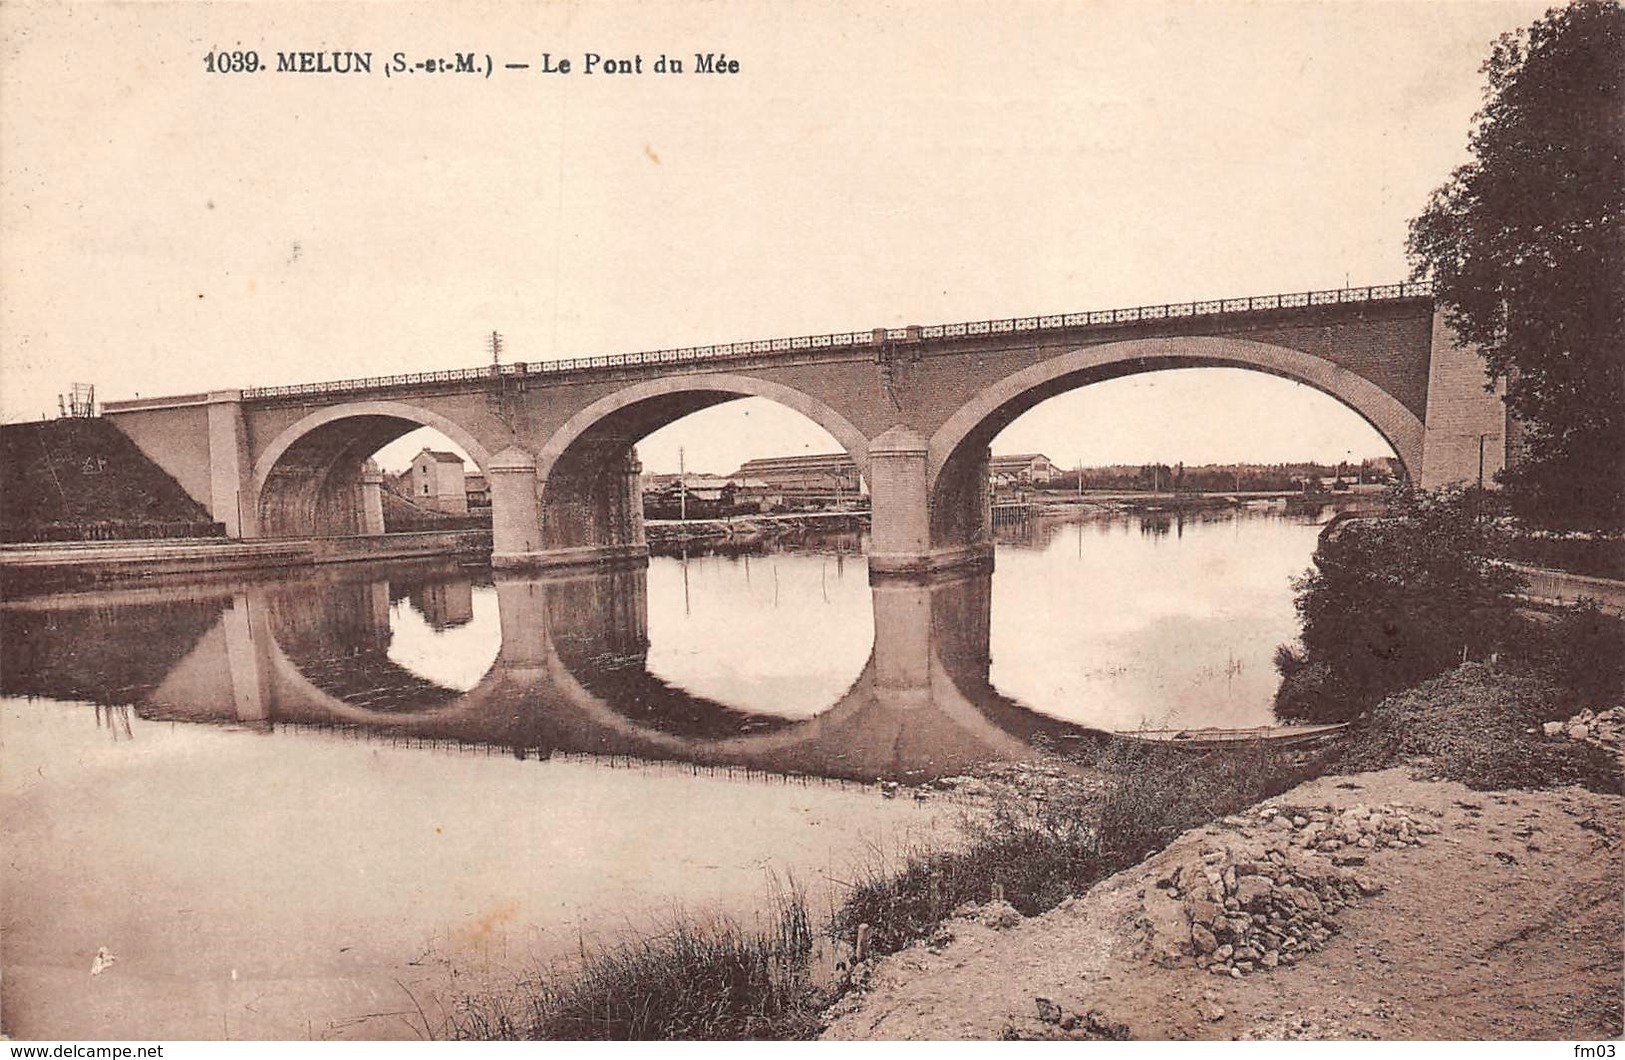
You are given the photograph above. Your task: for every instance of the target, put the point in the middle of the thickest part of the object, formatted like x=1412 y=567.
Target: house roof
x=442 y=457
x=1020 y=458
x=692 y=481
x=812 y=462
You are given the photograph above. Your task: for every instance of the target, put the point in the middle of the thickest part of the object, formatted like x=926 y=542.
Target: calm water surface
x=283 y=803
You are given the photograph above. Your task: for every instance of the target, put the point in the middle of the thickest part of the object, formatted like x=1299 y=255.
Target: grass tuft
x=695 y=981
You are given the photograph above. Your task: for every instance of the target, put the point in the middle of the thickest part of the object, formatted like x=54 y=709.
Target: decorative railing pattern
x=845 y=339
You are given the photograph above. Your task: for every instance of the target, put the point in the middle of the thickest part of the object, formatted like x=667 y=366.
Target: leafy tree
x=1526 y=249
x=1392 y=601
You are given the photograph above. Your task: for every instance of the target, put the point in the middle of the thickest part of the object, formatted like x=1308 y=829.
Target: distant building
x=1022 y=469
x=696 y=496
x=1382 y=469
x=824 y=476
x=697 y=487
x=436 y=481
x=757 y=493
x=478 y=490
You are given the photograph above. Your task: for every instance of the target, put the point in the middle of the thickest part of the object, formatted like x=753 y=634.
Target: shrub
x=1581 y=652
x=1394 y=600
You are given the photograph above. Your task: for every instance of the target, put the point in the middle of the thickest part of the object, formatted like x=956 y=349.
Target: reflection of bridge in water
x=570 y=676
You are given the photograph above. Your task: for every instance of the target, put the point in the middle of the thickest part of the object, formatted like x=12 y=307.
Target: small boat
x=1282 y=735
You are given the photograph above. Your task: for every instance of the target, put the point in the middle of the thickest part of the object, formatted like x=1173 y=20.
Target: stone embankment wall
x=1560 y=587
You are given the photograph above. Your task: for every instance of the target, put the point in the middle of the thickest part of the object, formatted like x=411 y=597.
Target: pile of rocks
x=1268 y=900
x=1344 y=833
x=1605 y=729
x=1058 y=1023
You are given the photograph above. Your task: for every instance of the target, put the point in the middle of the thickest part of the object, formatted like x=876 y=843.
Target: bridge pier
x=372 y=499
x=914 y=533
x=516 y=510
x=579 y=517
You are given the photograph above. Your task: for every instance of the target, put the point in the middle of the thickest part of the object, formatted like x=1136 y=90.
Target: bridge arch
x=585 y=467
x=958 y=449
x=306 y=481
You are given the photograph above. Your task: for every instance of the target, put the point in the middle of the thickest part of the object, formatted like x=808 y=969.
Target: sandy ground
x=1506 y=923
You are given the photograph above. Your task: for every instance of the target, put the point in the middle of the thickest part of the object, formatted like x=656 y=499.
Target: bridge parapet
x=875 y=337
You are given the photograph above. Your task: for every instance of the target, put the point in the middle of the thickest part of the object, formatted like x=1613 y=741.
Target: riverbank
x=1497 y=916
x=33 y=567
x=1365 y=499
x=1456 y=873
x=1270 y=894
x=750 y=529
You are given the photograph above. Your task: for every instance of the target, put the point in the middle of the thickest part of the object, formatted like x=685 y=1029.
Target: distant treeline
x=1218 y=478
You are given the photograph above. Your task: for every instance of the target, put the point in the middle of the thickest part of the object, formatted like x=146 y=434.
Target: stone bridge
x=916 y=407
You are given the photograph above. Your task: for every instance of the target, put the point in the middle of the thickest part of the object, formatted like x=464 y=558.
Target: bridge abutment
x=1467 y=424
x=230 y=465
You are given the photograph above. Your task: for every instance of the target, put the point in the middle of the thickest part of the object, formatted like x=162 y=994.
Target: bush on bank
x=1394 y=600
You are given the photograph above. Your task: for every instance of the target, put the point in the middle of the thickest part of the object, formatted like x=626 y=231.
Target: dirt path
x=1458 y=915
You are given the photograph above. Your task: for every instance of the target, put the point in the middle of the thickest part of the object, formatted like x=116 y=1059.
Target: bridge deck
x=849 y=339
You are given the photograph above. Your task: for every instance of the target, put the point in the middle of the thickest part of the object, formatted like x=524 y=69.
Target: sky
x=166 y=230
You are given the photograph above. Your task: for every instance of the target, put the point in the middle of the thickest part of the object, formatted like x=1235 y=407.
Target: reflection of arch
x=597 y=638
x=451 y=706
x=700 y=391
x=974 y=425
x=338 y=639
x=304 y=480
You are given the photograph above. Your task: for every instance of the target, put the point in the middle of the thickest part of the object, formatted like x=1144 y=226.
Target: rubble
x=1057 y=1023
x=1268 y=887
x=1604 y=729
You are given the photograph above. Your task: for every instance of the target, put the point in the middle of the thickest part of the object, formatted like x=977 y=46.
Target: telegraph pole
x=682 y=487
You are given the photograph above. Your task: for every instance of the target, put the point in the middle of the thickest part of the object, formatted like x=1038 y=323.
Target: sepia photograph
x=925 y=520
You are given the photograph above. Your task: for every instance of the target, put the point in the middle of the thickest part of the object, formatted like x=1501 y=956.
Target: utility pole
x=682 y=487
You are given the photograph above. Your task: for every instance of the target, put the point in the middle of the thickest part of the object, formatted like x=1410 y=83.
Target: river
x=297 y=806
